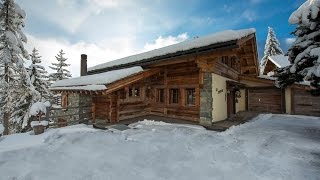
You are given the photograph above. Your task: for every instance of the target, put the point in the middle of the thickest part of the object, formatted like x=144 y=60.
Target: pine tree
x=14 y=79
x=271 y=48
x=304 y=54
x=39 y=80
x=60 y=68
x=38 y=75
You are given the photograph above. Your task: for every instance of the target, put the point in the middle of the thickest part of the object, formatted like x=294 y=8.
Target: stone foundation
x=71 y=114
x=206 y=100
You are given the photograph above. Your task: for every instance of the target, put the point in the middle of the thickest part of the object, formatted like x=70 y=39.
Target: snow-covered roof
x=84 y=88
x=220 y=37
x=92 y=82
x=280 y=60
x=267 y=77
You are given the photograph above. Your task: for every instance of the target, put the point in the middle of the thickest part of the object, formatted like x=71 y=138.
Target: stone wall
x=85 y=100
x=72 y=115
x=206 y=100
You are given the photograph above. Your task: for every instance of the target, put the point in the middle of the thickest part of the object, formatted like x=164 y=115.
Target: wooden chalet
x=203 y=80
x=273 y=62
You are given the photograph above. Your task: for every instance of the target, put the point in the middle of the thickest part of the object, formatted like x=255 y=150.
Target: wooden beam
x=245 y=68
x=245 y=39
x=255 y=79
x=131 y=79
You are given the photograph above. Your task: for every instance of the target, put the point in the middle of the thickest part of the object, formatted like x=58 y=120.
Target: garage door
x=305 y=104
x=265 y=100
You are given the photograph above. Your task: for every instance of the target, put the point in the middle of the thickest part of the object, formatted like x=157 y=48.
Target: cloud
x=249 y=15
x=105 y=3
x=165 y=41
x=289 y=41
x=117 y=48
x=49 y=47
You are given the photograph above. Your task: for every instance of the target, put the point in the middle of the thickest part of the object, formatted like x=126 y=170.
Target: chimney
x=83 y=67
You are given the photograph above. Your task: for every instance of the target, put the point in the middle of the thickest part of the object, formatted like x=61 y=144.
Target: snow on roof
x=219 y=37
x=280 y=60
x=85 y=88
x=81 y=83
x=267 y=77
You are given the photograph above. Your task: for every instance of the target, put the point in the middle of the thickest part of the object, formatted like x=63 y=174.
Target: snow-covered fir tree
x=60 y=68
x=15 y=84
x=39 y=80
x=271 y=48
x=304 y=55
x=38 y=75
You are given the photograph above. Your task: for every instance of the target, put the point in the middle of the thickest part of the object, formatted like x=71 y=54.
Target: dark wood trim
x=256 y=79
x=263 y=87
x=247 y=99
x=283 y=100
x=293 y=111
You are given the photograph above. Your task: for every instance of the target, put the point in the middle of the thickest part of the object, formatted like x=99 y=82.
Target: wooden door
x=269 y=100
x=303 y=103
x=231 y=103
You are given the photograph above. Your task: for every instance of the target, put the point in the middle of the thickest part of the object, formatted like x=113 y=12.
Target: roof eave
x=214 y=47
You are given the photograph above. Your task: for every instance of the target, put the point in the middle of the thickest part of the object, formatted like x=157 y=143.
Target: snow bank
x=271 y=147
x=22 y=141
x=97 y=79
x=219 y=37
x=152 y=122
x=37 y=108
x=37 y=123
x=147 y=122
x=47 y=103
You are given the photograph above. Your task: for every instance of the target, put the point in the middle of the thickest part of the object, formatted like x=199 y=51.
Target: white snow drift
x=272 y=147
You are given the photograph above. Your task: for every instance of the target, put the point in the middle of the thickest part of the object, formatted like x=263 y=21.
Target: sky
x=106 y=30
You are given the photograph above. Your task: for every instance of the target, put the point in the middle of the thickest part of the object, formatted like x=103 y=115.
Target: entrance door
x=270 y=100
x=231 y=102
x=303 y=103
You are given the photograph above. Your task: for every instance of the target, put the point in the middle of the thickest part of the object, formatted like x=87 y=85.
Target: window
x=160 y=95
x=174 y=96
x=134 y=92
x=191 y=97
x=57 y=99
x=64 y=101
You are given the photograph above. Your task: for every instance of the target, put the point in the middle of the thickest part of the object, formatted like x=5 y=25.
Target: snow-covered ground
x=271 y=147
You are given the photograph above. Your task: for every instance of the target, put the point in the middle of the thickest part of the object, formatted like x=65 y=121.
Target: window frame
x=134 y=92
x=64 y=100
x=187 y=91
x=173 y=97
x=160 y=95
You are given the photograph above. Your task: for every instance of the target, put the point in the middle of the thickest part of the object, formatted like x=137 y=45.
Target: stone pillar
x=206 y=100
x=84 y=100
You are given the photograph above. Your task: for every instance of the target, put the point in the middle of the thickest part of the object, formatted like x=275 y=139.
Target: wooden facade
x=172 y=92
x=179 y=85
x=172 y=87
x=303 y=103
